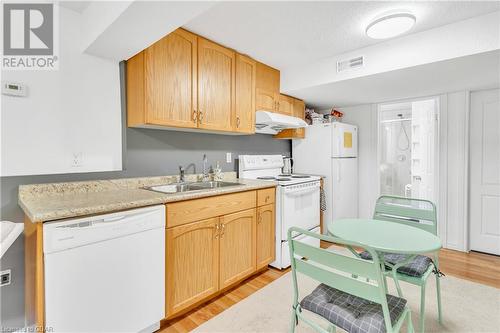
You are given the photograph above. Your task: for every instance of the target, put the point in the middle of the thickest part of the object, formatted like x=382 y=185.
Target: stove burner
x=267 y=178
x=283 y=179
x=284 y=175
x=301 y=176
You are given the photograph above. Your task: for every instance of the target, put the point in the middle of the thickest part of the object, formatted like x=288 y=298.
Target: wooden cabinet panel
x=266 y=196
x=170 y=80
x=198 y=209
x=285 y=105
x=244 y=121
x=267 y=86
x=299 y=133
x=237 y=247
x=268 y=78
x=192 y=264
x=265 y=235
x=216 y=86
x=135 y=90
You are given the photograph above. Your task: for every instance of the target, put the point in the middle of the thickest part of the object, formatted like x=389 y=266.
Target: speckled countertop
x=48 y=202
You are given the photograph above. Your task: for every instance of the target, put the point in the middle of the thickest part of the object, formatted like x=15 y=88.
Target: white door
x=485 y=171
x=344 y=188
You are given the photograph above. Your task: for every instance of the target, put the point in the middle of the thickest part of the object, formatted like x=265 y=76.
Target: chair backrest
x=335 y=269
x=417 y=213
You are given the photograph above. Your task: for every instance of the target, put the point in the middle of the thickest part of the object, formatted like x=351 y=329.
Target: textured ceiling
x=289 y=33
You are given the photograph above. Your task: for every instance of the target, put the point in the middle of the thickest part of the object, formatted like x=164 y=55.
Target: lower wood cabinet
x=212 y=253
x=237 y=247
x=192 y=264
x=265 y=235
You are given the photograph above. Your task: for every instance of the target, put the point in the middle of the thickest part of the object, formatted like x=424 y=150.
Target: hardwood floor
x=473 y=266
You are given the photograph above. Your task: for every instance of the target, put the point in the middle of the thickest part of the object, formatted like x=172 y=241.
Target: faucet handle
x=181 y=168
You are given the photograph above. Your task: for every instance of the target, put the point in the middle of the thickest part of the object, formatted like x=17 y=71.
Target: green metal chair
x=420 y=214
x=352 y=294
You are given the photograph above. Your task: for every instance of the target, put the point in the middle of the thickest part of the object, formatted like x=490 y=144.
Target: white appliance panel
x=299 y=207
x=284 y=261
x=96 y=284
x=344 y=188
x=344 y=140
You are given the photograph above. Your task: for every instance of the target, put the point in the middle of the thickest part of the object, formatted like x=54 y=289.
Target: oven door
x=299 y=207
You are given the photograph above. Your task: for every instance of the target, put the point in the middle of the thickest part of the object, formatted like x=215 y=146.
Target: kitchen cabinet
x=285 y=105
x=216 y=86
x=299 y=112
x=192 y=263
x=244 y=121
x=265 y=235
x=162 y=83
x=214 y=243
x=267 y=88
x=237 y=246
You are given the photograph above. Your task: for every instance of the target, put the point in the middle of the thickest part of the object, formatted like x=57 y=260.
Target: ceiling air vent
x=348 y=64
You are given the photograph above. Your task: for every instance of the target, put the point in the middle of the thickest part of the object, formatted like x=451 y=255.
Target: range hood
x=272 y=123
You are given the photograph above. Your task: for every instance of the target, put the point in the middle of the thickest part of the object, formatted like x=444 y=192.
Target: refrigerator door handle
x=338 y=172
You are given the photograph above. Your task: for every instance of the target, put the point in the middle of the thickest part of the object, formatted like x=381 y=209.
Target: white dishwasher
x=106 y=273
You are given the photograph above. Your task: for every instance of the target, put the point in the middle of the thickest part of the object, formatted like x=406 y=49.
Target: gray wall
x=147 y=152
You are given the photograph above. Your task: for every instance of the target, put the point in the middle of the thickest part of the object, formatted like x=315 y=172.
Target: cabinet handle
x=217 y=231
x=195 y=114
x=222 y=230
x=200 y=116
x=267 y=199
x=259 y=219
x=237 y=122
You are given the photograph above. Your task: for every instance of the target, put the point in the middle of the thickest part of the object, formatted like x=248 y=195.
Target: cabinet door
x=192 y=264
x=265 y=100
x=237 y=246
x=266 y=245
x=244 y=121
x=216 y=86
x=170 y=80
x=267 y=88
x=285 y=105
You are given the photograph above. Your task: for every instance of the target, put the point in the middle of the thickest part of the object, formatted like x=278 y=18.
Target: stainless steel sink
x=213 y=184
x=185 y=187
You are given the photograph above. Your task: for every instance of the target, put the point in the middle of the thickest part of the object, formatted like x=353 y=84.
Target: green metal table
x=387 y=237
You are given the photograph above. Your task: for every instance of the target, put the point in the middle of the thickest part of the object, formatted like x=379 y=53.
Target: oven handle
x=301 y=192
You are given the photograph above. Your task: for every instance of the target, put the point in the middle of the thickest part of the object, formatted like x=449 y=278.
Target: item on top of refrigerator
x=337 y=114
x=313 y=117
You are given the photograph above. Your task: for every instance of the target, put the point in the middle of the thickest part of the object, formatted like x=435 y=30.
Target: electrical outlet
x=229 y=159
x=77 y=160
x=5 y=277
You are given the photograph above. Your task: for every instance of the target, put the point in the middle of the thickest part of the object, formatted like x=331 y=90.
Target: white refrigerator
x=331 y=151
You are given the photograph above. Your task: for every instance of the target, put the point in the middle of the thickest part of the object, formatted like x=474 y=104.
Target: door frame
x=437 y=167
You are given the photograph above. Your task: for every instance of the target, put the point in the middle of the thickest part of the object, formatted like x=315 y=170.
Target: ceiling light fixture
x=390 y=25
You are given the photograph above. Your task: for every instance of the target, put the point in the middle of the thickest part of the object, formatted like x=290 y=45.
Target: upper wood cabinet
x=192 y=264
x=185 y=81
x=267 y=88
x=299 y=112
x=162 y=83
x=244 y=121
x=285 y=105
x=237 y=246
x=216 y=86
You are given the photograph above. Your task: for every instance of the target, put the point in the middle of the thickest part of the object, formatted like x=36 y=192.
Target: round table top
x=385 y=236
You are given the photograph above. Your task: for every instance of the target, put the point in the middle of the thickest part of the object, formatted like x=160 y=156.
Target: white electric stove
x=297 y=200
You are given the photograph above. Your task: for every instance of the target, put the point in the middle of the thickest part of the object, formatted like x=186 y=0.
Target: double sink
x=186 y=187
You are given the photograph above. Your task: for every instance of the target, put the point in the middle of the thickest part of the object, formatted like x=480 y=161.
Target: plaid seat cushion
x=351 y=313
x=417 y=267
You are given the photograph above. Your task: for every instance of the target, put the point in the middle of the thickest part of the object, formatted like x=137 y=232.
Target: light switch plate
x=229 y=159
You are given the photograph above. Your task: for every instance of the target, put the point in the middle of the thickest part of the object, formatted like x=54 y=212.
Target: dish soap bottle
x=217 y=172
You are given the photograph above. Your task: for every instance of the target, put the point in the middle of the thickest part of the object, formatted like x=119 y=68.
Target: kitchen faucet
x=205 y=169
x=181 y=174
